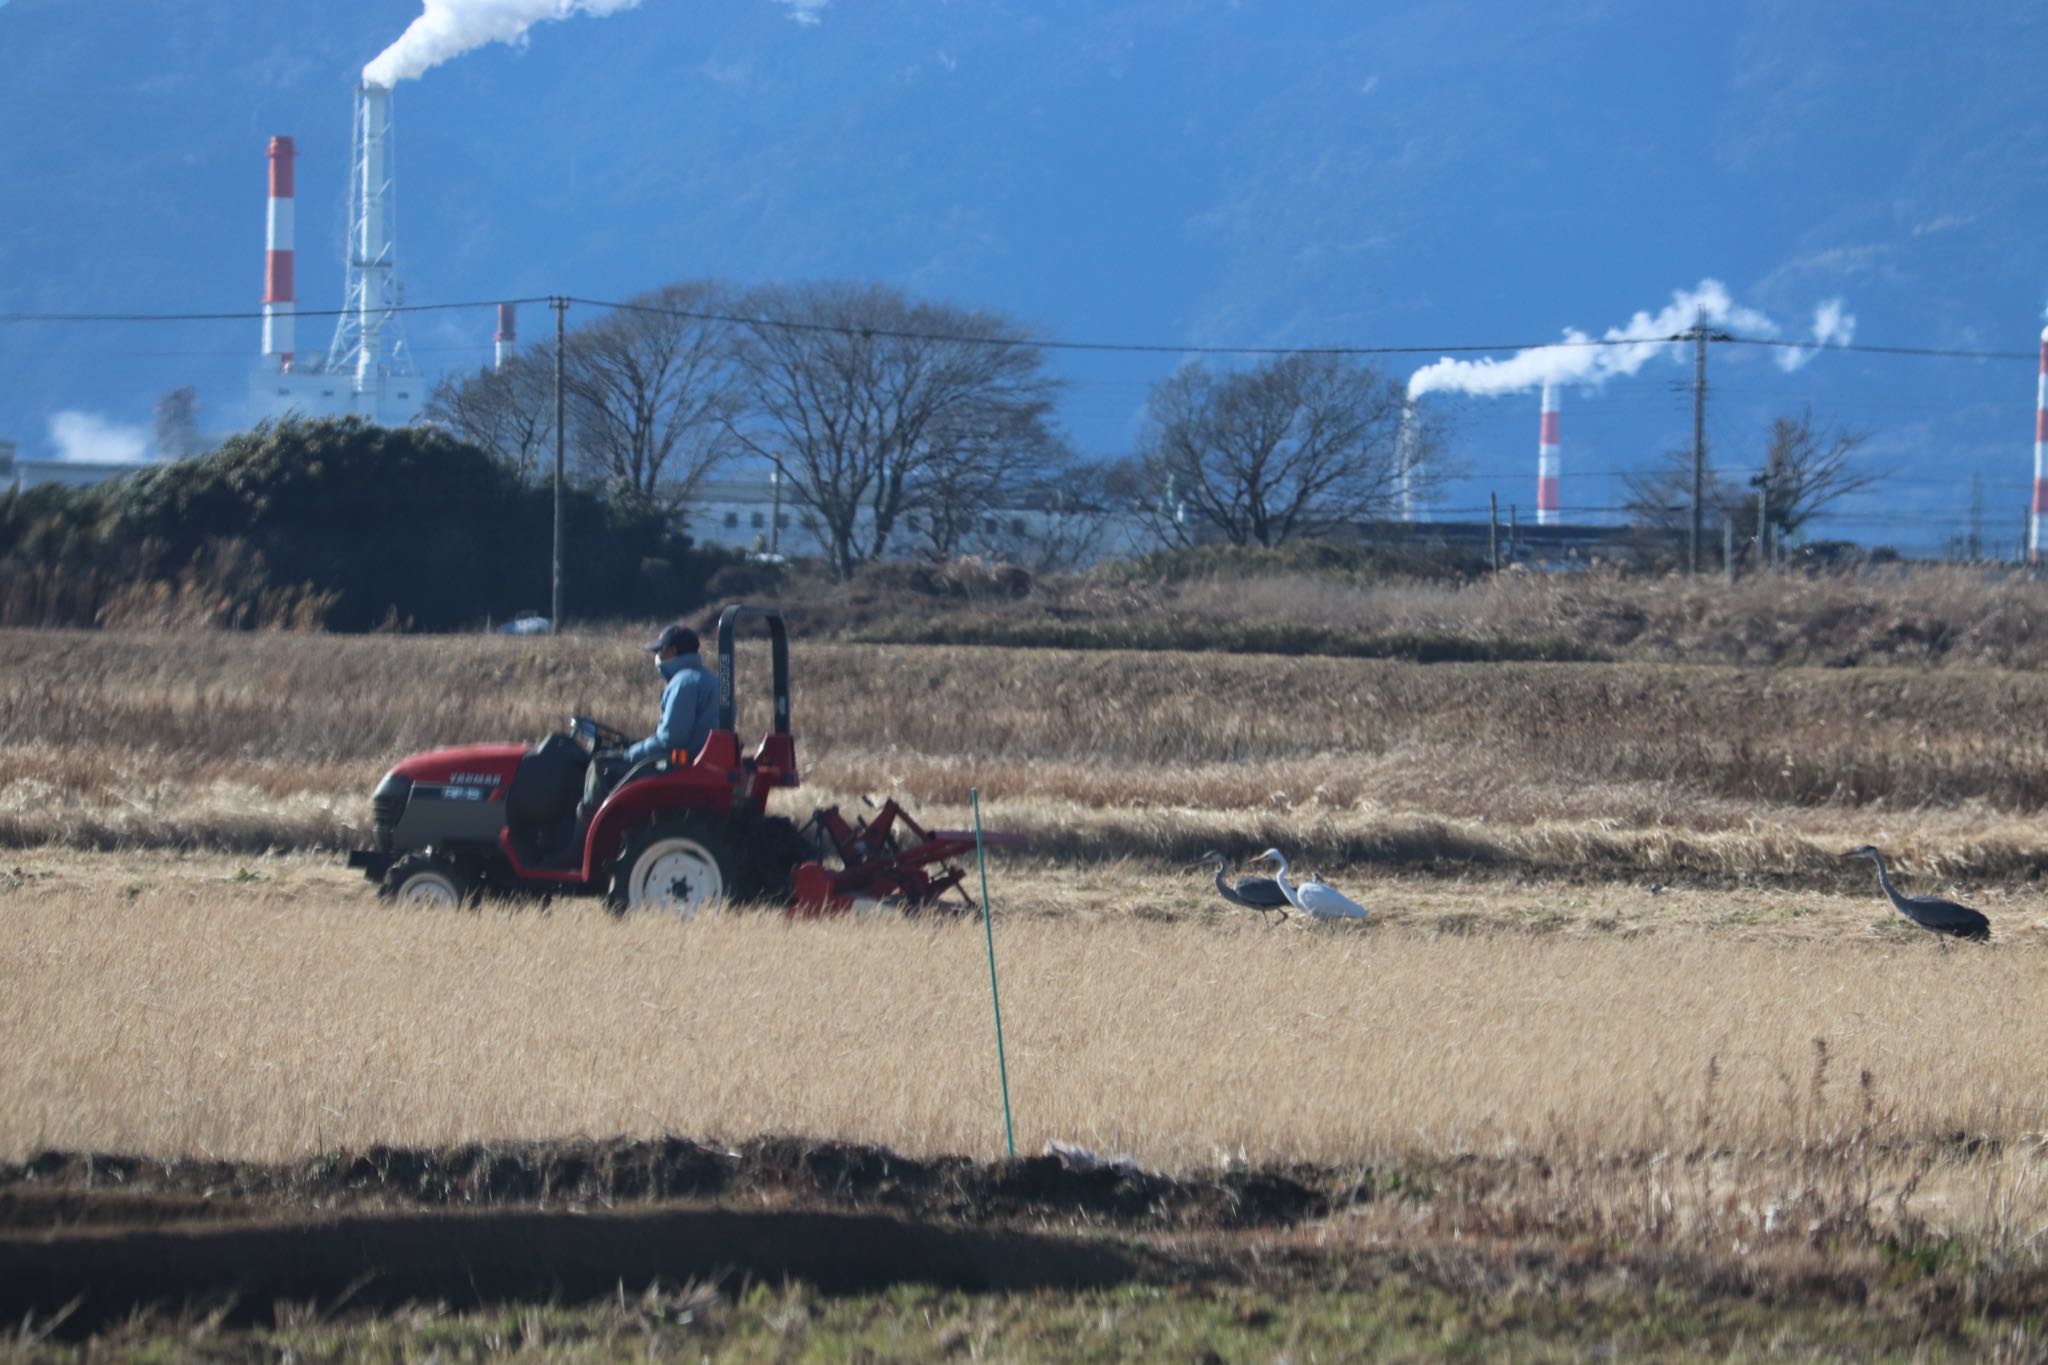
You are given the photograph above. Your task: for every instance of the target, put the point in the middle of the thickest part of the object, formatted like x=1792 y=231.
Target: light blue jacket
x=689 y=708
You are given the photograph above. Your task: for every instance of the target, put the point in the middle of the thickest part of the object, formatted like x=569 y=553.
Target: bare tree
x=1296 y=446
x=509 y=411
x=1068 y=511
x=1659 y=503
x=1806 y=468
x=652 y=392
x=876 y=406
x=973 y=489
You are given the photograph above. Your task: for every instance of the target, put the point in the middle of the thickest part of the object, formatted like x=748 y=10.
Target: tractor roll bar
x=778 y=640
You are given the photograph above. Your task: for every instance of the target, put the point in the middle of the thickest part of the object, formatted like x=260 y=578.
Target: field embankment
x=1340 y=604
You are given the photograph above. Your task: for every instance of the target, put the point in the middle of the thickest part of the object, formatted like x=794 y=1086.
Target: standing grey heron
x=1929 y=912
x=1253 y=893
x=1316 y=899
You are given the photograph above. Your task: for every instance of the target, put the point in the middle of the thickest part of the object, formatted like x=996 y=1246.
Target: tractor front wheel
x=420 y=882
x=678 y=867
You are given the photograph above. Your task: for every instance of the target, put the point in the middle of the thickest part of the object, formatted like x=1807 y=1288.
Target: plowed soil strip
x=470 y=1259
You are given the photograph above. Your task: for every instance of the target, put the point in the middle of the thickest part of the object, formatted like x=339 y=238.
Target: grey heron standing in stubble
x=1253 y=893
x=1929 y=912
x=1317 y=899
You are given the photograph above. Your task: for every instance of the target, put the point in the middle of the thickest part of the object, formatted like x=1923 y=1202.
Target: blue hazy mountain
x=1180 y=172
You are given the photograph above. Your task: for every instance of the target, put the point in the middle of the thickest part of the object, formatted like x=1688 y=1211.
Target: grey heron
x=1254 y=893
x=1929 y=912
x=1316 y=899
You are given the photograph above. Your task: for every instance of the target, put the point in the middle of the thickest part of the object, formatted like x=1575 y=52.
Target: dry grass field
x=1730 y=1075
x=1616 y=988
x=1660 y=773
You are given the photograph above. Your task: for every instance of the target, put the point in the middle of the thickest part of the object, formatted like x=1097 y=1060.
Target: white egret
x=1316 y=899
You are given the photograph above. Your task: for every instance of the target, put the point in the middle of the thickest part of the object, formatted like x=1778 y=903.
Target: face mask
x=668 y=668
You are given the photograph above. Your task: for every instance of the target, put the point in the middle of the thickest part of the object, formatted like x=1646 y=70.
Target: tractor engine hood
x=487 y=767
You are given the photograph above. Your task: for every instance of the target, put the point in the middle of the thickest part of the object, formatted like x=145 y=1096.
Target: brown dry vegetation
x=1684 y=1086
x=1898 y=615
x=1616 y=989
x=1658 y=772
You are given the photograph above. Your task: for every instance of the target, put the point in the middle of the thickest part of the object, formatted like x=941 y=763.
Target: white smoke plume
x=1831 y=327
x=449 y=28
x=1642 y=338
x=805 y=11
x=88 y=438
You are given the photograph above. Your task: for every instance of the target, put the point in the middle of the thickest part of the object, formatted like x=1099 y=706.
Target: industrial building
x=755 y=514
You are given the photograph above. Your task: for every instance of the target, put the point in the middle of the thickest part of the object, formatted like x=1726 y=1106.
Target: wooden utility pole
x=1765 y=560
x=1493 y=529
x=1700 y=334
x=1728 y=549
x=561 y=307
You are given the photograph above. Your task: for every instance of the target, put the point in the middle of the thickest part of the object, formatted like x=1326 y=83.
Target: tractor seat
x=540 y=805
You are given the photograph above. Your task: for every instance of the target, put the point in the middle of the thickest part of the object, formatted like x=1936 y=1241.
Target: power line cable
x=1055 y=344
x=1863 y=349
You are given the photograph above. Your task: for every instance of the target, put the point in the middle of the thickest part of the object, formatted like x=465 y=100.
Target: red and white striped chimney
x=2040 y=456
x=280 y=299
x=508 y=334
x=1547 y=460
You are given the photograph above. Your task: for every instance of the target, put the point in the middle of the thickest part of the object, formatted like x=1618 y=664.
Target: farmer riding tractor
x=676 y=833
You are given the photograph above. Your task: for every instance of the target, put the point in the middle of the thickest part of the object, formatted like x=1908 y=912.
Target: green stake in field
x=995 y=996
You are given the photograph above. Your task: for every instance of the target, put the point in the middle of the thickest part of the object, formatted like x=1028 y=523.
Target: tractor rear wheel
x=419 y=881
x=676 y=866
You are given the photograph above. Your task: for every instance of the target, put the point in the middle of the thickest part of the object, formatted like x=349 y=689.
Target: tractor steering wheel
x=596 y=735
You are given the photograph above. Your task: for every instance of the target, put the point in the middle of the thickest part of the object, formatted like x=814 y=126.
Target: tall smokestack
x=508 y=334
x=280 y=296
x=369 y=345
x=373 y=230
x=1547 y=460
x=1404 y=455
x=2040 y=456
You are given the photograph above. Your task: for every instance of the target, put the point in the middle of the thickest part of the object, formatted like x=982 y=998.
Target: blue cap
x=678 y=637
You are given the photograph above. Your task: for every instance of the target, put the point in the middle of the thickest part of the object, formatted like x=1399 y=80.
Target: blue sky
x=1178 y=172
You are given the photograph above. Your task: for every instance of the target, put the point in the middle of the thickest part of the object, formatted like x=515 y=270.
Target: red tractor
x=674 y=833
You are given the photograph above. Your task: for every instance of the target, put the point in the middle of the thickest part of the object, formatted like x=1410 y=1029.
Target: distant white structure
x=368 y=368
x=756 y=514
x=19 y=475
